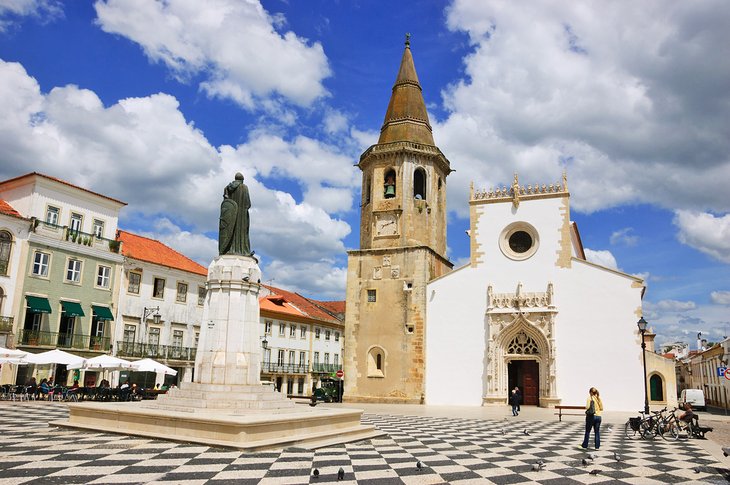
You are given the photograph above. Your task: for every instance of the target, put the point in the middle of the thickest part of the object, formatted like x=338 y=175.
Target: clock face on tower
x=386 y=225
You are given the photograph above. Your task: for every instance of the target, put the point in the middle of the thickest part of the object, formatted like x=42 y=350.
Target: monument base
x=302 y=426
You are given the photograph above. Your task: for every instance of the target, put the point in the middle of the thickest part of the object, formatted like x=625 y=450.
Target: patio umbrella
x=103 y=362
x=11 y=360
x=54 y=356
x=149 y=365
x=11 y=353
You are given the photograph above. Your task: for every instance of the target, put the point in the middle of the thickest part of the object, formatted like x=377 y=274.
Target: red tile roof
x=153 y=251
x=278 y=304
x=8 y=210
x=336 y=307
x=64 y=183
x=309 y=308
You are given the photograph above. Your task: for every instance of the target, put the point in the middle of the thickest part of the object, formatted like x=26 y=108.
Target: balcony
x=83 y=238
x=37 y=338
x=274 y=368
x=6 y=324
x=168 y=352
x=325 y=368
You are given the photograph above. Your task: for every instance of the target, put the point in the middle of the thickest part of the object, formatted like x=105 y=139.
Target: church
x=528 y=310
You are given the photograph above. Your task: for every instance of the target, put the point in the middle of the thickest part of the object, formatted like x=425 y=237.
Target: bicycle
x=644 y=426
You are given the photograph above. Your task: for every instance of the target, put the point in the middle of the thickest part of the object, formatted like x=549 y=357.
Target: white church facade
x=530 y=311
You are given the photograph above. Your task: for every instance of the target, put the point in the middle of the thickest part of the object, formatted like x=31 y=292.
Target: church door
x=530 y=382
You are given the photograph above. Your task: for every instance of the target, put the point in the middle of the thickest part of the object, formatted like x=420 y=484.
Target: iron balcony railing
x=170 y=352
x=275 y=368
x=79 y=237
x=37 y=338
x=6 y=324
x=325 y=368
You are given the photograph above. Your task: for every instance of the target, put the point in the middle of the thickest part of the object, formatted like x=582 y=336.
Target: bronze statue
x=234 y=222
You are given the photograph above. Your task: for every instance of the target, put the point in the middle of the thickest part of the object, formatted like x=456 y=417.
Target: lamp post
x=155 y=313
x=642 y=324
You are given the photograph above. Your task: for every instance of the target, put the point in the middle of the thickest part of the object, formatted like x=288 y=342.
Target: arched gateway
x=520 y=346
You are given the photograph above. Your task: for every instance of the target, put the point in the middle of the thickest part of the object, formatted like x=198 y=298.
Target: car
x=695 y=397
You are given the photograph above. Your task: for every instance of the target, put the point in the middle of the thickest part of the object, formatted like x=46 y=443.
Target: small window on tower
x=372 y=296
x=419 y=184
x=389 y=184
x=366 y=195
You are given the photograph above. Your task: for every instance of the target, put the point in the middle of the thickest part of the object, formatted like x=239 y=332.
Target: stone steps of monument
x=221 y=396
x=312 y=441
x=238 y=388
x=181 y=403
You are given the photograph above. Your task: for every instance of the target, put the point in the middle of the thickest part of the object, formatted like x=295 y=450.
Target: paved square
x=451 y=450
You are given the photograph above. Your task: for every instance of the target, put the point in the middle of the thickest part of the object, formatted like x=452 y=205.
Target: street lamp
x=264 y=343
x=642 y=324
x=155 y=313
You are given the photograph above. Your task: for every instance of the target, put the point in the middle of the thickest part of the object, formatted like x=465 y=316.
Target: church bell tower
x=402 y=247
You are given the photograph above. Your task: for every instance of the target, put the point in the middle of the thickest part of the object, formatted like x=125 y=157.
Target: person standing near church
x=594 y=407
x=514 y=400
x=519 y=398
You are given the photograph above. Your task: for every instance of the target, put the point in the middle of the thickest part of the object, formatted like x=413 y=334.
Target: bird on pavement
x=536 y=467
x=592 y=456
x=525 y=432
x=610 y=428
x=585 y=462
x=593 y=472
x=341 y=474
x=315 y=473
x=616 y=456
x=726 y=451
x=419 y=465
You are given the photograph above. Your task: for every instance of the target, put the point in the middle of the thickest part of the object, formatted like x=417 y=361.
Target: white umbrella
x=149 y=365
x=11 y=353
x=105 y=362
x=54 y=356
x=10 y=360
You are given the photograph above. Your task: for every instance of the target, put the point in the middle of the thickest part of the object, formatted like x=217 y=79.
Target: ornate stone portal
x=520 y=326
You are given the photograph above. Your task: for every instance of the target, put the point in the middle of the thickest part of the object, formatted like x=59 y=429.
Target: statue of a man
x=234 y=222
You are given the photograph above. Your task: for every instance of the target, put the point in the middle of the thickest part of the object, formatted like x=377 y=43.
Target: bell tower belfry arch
x=402 y=247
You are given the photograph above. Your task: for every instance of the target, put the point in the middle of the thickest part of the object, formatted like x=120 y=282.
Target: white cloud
x=335 y=122
x=143 y=151
x=234 y=44
x=705 y=232
x=670 y=306
x=602 y=257
x=720 y=297
x=624 y=237
x=44 y=10
x=551 y=84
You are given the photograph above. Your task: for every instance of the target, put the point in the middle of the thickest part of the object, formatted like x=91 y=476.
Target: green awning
x=72 y=309
x=102 y=312
x=37 y=304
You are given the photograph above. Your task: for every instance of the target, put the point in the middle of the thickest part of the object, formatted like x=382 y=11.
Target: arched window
x=419 y=184
x=5 y=242
x=656 y=387
x=389 y=184
x=522 y=344
x=376 y=362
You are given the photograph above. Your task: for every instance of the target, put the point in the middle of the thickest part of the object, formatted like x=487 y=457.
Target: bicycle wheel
x=648 y=429
x=670 y=431
x=631 y=433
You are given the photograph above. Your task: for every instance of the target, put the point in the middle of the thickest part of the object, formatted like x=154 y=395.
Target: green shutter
x=72 y=309
x=37 y=304
x=102 y=312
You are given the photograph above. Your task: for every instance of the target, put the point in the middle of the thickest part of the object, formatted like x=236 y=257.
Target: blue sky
x=160 y=103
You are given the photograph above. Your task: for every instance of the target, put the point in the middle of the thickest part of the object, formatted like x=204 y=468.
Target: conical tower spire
x=406 y=118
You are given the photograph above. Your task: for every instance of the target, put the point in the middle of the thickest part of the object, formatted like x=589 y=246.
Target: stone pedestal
x=229 y=349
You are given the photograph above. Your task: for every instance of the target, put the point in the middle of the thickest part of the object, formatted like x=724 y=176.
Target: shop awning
x=37 y=304
x=102 y=312
x=72 y=309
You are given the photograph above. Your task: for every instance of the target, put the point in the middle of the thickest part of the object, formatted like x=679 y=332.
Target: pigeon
x=503 y=432
x=593 y=472
x=616 y=456
x=341 y=474
x=536 y=467
x=419 y=465
x=592 y=456
x=584 y=462
x=525 y=432
x=315 y=473
x=610 y=428
x=698 y=470
x=726 y=451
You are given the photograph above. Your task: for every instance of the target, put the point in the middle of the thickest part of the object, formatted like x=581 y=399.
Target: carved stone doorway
x=525 y=374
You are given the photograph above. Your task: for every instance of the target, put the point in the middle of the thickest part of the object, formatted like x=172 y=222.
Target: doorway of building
x=525 y=375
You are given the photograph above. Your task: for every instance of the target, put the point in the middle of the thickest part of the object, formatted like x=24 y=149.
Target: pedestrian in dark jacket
x=514 y=400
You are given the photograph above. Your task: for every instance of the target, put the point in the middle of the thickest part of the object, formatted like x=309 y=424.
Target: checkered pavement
x=450 y=450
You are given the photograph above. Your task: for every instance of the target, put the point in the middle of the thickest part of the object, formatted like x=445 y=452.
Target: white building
x=530 y=311
x=160 y=307
x=304 y=339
